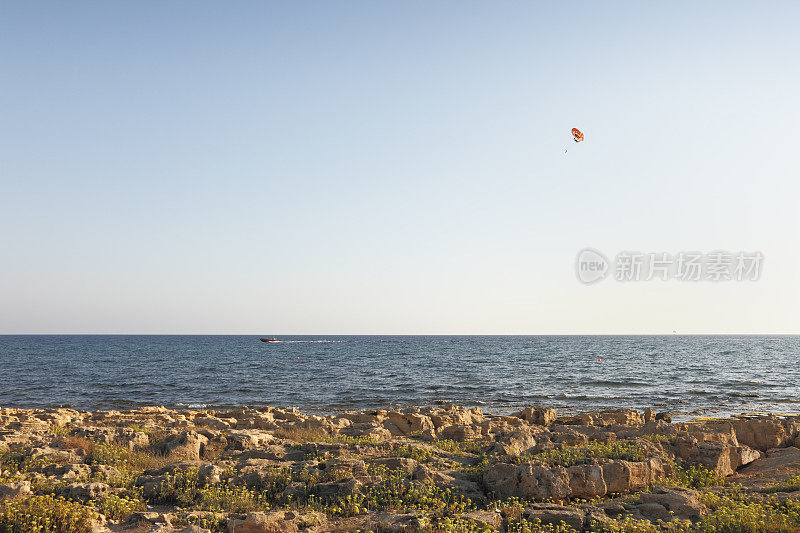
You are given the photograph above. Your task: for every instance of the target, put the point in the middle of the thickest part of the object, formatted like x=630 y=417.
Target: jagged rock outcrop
x=665 y=503
x=446 y=452
x=530 y=480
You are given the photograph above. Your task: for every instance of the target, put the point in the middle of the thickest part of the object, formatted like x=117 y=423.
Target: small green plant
x=112 y=454
x=42 y=514
x=627 y=525
x=119 y=507
x=475 y=470
x=59 y=431
x=658 y=439
x=139 y=428
x=395 y=492
x=695 y=476
x=422 y=455
x=790 y=485
x=221 y=498
x=470 y=446
x=19 y=459
x=587 y=453
x=535 y=525
x=458 y=524
x=205 y=520
x=737 y=512
x=181 y=488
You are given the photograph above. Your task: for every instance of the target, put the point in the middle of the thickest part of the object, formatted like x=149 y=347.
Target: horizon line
x=405 y=334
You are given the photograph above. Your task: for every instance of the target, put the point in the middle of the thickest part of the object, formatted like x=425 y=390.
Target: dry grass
x=115 y=455
x=71 y=442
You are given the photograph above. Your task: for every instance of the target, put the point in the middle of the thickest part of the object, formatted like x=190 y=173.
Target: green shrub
x=60 y=431
x=119 y=507
x=658 y=439
x=42 y=514
x=111 y=454
x=221 y=498
x=790 y=485
x=475 y=470
x=422 y=455
x=205 y=520
x=459 y=524
x=471 y=446
x=18 y=459
x=535 y=526
x=695 y=476
x=744 y=515
x=395 y=492
x=587 y=453
x=181 y=488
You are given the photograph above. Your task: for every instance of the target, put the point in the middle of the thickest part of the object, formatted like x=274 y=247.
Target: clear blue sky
x=377 y=167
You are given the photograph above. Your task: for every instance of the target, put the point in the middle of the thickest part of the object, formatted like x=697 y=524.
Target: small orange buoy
x=598 y=359
x=298 y=357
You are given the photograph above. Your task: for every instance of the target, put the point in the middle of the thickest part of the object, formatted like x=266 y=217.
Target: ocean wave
x=310 y=342
x=685 y=373
x=613 y=383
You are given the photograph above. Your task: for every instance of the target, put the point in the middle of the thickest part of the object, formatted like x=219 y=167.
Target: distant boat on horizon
x=266 y=339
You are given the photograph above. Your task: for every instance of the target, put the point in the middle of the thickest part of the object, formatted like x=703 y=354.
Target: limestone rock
x=369 y=431
x=514 y=441
x=170 y=529
x=212 y=422
x=621 y=476
x=248 y=439
x=625 y=476
x=209 y=473
x=551 y=514
x=151 y=485
x=337 y=489
x=654 y=511
x=68 y=471
x=541 y=416
x=396 y=522
x=86 y=491
x=489 y=519
x=722 y=458
x=408 y=422
x=762 y=433
x=188 y=445
x=275 y=522
x=586 y=481
x=680 y=502
x=624 y=417
x=152 y=517
x=778 y=465
x=527 y=480
x=397 y=463
x=459 y=433
x=13 y=490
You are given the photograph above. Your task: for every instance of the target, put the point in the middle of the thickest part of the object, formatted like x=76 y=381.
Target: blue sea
x=689 y=375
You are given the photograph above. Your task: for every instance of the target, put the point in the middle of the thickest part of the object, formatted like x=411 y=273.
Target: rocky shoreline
x=418 y=469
